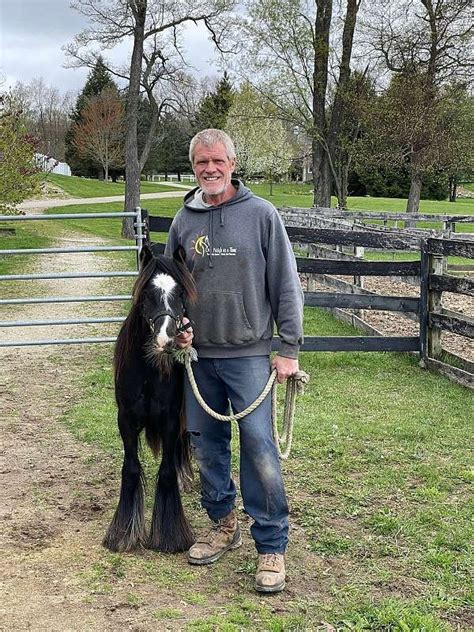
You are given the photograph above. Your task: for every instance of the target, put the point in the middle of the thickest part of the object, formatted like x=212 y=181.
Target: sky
x=32 y=33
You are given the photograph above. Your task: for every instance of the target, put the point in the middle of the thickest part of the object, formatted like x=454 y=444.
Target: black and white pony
x=149 y=394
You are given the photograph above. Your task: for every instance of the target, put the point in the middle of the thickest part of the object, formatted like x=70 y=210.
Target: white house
x=51 y=165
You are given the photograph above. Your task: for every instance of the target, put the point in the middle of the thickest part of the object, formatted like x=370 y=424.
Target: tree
x=46 y=115
x=354 y=101
x=99 y=135
x=214 y=107
x=173 y=139
x=286 y=55
x=261 y=141
x=458 y=152
x=99 y=79
x=156 y=28
x=19 y=176
x=423 y=44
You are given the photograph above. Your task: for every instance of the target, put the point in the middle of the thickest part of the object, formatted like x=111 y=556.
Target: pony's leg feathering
x=170 y=530
x=127 y=529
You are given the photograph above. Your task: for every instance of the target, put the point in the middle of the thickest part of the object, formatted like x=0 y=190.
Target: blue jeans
x=238 y=382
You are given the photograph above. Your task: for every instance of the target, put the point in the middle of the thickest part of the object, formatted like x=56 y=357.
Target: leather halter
x=180 y=326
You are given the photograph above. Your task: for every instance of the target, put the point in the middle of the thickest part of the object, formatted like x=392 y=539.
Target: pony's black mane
x=132 y=330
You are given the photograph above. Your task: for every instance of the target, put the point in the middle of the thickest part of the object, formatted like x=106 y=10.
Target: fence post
x=435 y=266
x=310 y=280
x=423 y=308
x=139 y=236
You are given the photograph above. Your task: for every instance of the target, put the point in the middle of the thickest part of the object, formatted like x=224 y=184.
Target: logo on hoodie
x=201 y=247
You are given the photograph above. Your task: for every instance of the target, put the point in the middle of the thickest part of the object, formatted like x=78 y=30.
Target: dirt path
x=37 y=206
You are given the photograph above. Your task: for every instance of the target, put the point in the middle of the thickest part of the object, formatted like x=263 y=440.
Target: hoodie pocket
x=220 y=319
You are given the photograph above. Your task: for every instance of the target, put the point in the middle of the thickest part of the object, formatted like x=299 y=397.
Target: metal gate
x=139 y=238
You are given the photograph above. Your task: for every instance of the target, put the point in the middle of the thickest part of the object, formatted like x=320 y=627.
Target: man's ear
x=146 y=255
x=180 y=254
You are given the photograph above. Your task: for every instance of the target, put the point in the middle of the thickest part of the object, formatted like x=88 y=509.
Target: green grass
x=300 y=195
x=87 y=187
x=26 y=236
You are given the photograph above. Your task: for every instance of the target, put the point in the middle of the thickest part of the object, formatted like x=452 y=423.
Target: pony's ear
x=180 y=254
x=146 y=255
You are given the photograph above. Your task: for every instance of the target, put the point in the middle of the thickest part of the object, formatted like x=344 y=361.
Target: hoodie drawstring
x=211 y=237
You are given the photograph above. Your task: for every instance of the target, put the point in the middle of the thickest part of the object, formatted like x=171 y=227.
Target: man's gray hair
x=209 y=137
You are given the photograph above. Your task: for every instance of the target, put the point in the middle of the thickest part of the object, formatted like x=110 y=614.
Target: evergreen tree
x=215 y=106
x=97 y=81
x=171 y=154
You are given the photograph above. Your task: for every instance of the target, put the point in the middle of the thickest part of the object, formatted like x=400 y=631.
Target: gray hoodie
x=245 y=272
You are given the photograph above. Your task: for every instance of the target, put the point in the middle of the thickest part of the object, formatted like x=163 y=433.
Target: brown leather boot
x=270 y=575
x=223 y=536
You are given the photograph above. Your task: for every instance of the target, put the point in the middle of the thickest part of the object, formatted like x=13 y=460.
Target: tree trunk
x=132 y=166
x=453 y=185
x=413 y=203
x=320 y=79
x=323 y=190
x=343 y=186
x=316 y=163
x=337 y=112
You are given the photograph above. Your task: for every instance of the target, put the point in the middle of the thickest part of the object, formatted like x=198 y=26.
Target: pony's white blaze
x=162 y=338
x=166 y=284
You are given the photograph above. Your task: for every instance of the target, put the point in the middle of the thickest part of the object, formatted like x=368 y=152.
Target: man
x=245 y=271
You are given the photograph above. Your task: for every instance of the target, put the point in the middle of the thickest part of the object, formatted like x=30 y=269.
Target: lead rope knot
x=294 y=386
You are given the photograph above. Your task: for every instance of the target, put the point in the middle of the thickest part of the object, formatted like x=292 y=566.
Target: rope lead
x=294 y=386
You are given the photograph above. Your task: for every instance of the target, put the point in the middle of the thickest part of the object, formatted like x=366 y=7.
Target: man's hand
x=185 y=338
x=285 y=367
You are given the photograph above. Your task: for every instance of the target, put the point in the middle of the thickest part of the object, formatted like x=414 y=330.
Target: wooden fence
x=429 y=272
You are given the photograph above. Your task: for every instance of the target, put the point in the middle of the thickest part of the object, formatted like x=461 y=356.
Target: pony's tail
x=184 y=463
x=153 y=438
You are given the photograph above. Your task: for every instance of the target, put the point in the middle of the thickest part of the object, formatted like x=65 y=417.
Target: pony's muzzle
x=166 y=334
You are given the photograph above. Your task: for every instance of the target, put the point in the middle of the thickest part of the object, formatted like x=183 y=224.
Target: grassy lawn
x=86 y=187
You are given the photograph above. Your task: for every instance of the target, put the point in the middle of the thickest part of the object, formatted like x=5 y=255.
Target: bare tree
x=426 y=44
x=261 y=140
x=99 y=135
x=288 y=56
x=46 y=114
x=155 y=27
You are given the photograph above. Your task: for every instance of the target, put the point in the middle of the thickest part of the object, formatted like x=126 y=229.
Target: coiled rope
x=294 y=386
